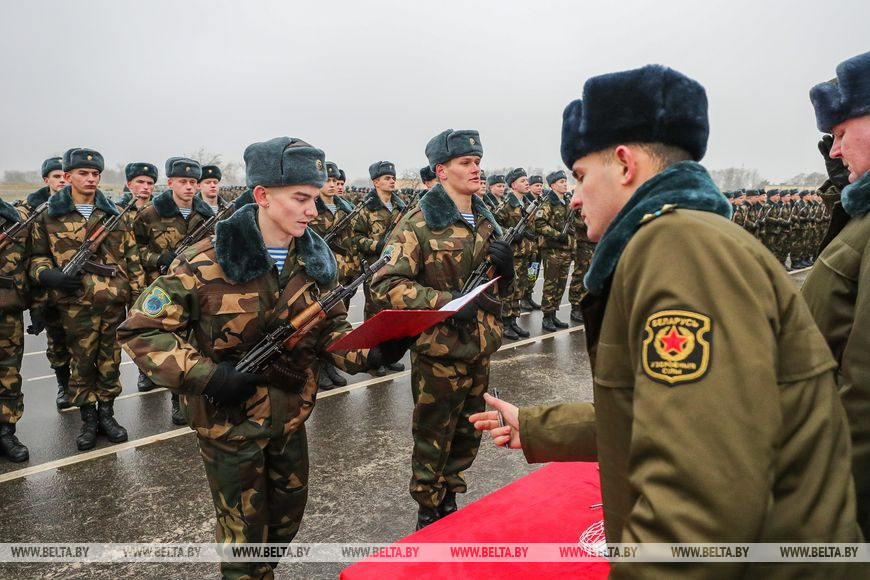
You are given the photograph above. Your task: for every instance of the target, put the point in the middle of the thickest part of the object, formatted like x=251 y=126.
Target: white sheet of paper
x=456 y=304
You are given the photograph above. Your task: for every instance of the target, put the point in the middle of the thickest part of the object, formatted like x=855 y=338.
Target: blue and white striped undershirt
x=86 y=209
x=469 y=217
x=389 y=207
x=279 y=255
x=331 y=207
x=185 y=212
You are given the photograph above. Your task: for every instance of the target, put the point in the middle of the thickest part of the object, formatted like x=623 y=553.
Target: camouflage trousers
x=520 y=286
x=56 y=351
x=259 y=489
x=11 y=353
x=583 y=251
x=557 y=262
x=95 y=353
x=446 y=393
x=535 y=263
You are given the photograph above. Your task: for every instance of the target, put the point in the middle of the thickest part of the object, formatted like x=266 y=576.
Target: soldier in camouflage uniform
x=217 y=301
x=434 y=251
x=550 y=223
x=428 y=177
x=44 y=314
x=536 y=188
x=509 y=213
x=209 y=187
x=141 y=178
x=160 y=227
x=91 y=305
x=13 y=300
x=331 y=208
x=583 y=250
x=495 y=186
x=380 y=208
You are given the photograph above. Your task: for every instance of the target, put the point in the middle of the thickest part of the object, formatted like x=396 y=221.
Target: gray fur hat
x=284 y=161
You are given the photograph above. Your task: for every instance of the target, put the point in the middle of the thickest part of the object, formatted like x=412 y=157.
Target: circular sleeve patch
x=156 y=302
x=676 y=347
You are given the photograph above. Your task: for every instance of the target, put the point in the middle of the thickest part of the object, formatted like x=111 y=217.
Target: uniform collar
x=439 y=211
x=61 y=203
x=165 y=206
x=856 y=196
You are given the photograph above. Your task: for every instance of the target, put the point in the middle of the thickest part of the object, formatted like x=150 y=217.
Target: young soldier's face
x=209 y=187
x=536 y=189
x=852 y=145
x=482 y=191
x=183 y=188
x=597 y=194
x=83 y=180
x=385 y=183
x=521 y=185
x=560 y=186
x=141 y=187
x=328 y=188
x=463 y=174
x=55 y=181
x=291 y=207
x=339 y=187
x=497 y=189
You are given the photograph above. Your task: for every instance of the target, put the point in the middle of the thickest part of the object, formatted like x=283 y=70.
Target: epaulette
x=667 y=208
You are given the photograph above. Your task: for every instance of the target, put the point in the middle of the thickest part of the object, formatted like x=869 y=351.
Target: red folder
x=391 y=324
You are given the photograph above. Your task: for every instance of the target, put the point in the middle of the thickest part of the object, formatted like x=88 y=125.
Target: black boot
x=548 y=324
x=177 y=415
x=108 y=426
x=526 y=306
x=507 y=330
x=10 y=446
x=144 y=384
x=576 y=315
x=87 y=437
x=426 y=516
x=324 y=383
x=332 y=373
x=395 y=367
x=521 y=332
x=62 y=374
x=558 y=323
x=448 y=504
x=534 y=305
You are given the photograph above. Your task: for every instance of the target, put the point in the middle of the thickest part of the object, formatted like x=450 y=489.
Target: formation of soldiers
x=791 y=223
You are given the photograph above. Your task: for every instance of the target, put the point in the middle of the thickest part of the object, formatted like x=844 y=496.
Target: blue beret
x=140 y=168
x=494 y=179
x=183 y=167
x=653 y=104
x=51 y=164
x=82 y=157
x=845 y=97
x=555 y=176
x=380 y=168
x=514 y=174
x=211 y=172
x=450 y=144
x=427 y=174
x=535 y=179
x=332 y=170
x=284 y=161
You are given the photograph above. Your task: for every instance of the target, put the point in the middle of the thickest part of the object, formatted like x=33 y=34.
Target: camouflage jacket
x=345 y=255
x=160 y=227
x=509 y=213
x=434 y=251
x=550 y=221
x=59 y=233
x=217 y=301
x=372 y=222
x=528 y=200
x=490 y=200
x=13 y=262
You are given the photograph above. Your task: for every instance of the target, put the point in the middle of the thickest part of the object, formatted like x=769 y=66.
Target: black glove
x=165 y=259
x=228 y=386
x=37 y=321
x=502 y=257
x=468 y=313
x=55 y=278
x=529 y=235
x=837 y=172
x=563 y=238
x=390 y=352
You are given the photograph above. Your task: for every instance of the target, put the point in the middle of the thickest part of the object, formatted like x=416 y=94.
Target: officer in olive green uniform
x=838 y=287
x=14 y=260
x=43 y=313
x=91 y=305
x=435 y=248
x=551 y=223
x=217 y=301
x=716 y=414
x=509 y=213
x=160 y=228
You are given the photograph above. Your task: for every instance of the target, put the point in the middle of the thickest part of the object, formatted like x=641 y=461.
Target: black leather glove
x=502 y=257
x=390 y=352
x=563 y=238
x=468 y=313
x=165 y=259
x=56 y=279
x=837 y=172
x=37 y=321
x=530 y=235
x=228 y=386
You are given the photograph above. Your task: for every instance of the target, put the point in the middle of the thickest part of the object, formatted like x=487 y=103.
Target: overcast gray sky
x=371 y=80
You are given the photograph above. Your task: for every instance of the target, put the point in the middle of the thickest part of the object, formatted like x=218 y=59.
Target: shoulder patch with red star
x=677 y=346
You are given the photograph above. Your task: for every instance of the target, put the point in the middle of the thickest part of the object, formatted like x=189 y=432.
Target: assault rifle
x=82 y=259
x=569 y=221
x=201 y=231
x=338 y=227
x=7 y=235
x=486 y=269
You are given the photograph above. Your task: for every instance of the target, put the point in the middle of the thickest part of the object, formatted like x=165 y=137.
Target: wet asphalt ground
x=153 y=488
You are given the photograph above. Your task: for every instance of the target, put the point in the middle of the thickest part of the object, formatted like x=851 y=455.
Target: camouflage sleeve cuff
x=563 y=432
x=198 y=377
